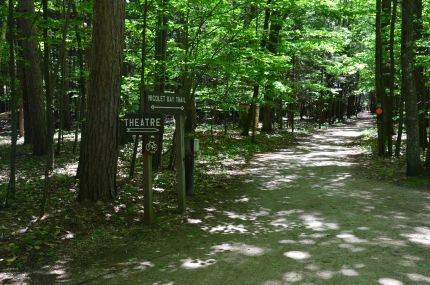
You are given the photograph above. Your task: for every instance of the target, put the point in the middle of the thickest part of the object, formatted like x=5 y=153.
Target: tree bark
x=387 y=100
x=48 y=90
x=409 y=90
x=379 y=89
x=100 y=147
x=419 y=76
x=392 y=79
x=80 y=116
x=33 y=79
x=161 y=64
x=63 y=98
x=14 y=101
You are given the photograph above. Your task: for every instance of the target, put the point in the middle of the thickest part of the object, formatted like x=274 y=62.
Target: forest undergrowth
x=28 y=239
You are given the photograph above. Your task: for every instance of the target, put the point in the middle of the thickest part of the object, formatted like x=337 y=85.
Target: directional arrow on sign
x=142 y=130
x=153 y=107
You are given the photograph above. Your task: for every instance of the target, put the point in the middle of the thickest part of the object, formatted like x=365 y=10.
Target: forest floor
x=320 y=210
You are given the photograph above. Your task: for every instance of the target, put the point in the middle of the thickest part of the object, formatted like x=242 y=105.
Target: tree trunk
x=387 y=100
x=161 y=65
x=63 y=98
x=80 y=115
x=266 y=108
x=48 y=89
x=392 y=79
x=400 y=127
x=100 y=147
x=379 y=89
x=22 y=90
x=409 y=91
x=419 y=76
x=33 y=79
x=272 y=46
x=143 y=105
x=14 y=105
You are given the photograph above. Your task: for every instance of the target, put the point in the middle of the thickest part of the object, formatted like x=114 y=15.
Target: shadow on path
x=299 y=216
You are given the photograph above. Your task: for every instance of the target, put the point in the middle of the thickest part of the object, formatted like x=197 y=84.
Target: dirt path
x=300 y=216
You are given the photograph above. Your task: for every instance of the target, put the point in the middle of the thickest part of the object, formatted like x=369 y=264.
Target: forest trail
x=299 y=216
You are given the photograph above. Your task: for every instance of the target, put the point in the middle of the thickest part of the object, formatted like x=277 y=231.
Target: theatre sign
x=141 y=124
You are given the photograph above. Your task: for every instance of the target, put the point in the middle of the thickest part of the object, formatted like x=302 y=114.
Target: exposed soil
x=306 y=214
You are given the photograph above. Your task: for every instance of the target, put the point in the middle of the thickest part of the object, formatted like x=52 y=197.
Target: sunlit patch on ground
x=68 y=169
x=350 y=238
x=297 y=255
x=14 y=278
x=418 y=277
x=225 y=229
x=316 y=223
x=243 y=249
x=420 y=236
x=321 y=224
x=190 y=263
x=292 y=277
x=389 y=281
x=194 y=221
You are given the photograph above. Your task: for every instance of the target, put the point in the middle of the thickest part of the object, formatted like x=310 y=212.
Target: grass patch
x=389 y=169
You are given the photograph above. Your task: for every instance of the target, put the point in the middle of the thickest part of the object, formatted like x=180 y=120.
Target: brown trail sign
x=167 y=103
x=150 y=126
x=173 y=104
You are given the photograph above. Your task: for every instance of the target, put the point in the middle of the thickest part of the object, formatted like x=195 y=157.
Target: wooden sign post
x=180 y=162
x=174 y=104
x=148 y=125
x=148 y=217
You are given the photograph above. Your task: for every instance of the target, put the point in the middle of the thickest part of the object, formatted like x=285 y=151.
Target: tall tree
x=33 y=78
x=387 y=99
x=48 y=89
x=160 y=78
x=80 y=110
x=11 y=40
x=100 y=147
x=409 y=89
x=63 y=97
x=419 y=75
x=267 y=110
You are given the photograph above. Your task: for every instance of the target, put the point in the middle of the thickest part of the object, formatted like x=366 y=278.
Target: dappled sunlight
x=418 y=277
x=14 y=278
x=350 y=238
x=325 y=275
x=389 y=281
x=244 y=199
x=351 y=133
x=194 y=221
x=319 y=224
x=280 y=223
x=68 y=169
x=352 y=248
x=349 y=272
x=241 y=248
x=386 y=241
x=56 y=273
x=316 y=223
x=190 y=263
x=297 y=255
x=420 y=236
x=292 y=276
x=226 y=229
x=68 y=235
